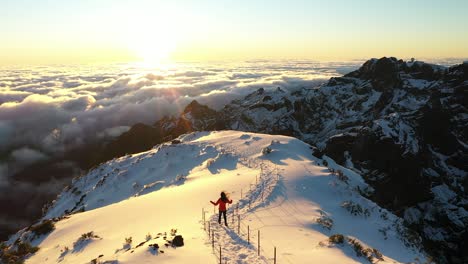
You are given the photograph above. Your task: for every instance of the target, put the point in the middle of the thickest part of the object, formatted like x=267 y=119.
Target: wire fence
x=256 y=196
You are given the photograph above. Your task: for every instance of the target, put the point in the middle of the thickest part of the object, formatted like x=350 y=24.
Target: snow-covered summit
x=401 y=125
x=310 y=212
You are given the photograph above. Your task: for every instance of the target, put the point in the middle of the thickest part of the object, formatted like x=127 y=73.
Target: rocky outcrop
x=141 y=137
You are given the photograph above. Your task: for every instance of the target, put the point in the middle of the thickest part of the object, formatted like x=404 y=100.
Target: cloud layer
x=50 y=109
x=45 y=111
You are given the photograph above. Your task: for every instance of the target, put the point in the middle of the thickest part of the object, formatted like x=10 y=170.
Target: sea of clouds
x=47 y=110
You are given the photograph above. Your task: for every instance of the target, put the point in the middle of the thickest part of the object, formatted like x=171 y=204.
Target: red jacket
x=222 y=204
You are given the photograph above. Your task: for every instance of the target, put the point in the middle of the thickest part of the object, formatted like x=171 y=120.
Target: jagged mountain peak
x=382 y=68
x=390 y=69
x=197 y=110
x=194 y=105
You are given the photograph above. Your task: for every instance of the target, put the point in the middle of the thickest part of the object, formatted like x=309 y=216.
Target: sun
x=154 y=50
x=153 y=47
x=151 y=43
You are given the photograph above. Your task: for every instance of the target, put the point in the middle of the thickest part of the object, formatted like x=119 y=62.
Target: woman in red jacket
x=222 y=201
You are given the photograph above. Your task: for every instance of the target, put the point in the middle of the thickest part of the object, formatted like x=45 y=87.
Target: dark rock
x=435 y=127
x=154 y=246
x=141 y=244
x=386 y=69
x=178 y=241
x=384 y=99
x=316 y=152
x=337 y=145
x=198 y=111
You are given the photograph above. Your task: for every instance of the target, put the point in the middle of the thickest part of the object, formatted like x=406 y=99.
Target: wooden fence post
x=209 y=229
x=248 y=235
x=220 y=258
x=258 y=242
x=238 y=224
x=274 y=262
x=212 y=241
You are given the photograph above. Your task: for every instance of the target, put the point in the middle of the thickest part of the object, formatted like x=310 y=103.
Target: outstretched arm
x=230 y=201
x=217 y=202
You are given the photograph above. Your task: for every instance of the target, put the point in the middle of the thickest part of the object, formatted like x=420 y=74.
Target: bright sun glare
x=154 y=49
x=151 y=43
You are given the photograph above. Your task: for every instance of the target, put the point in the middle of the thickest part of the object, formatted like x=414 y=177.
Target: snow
x=395 y=127
x=443 y=193
x=373 y=98
x=431 y=172
x=419 y=84
x=283 y=194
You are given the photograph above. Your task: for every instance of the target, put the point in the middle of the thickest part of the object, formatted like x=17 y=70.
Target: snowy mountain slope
x=401 y=125
x=278 y=187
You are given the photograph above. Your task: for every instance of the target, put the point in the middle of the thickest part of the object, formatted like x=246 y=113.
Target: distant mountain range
x=401 y=125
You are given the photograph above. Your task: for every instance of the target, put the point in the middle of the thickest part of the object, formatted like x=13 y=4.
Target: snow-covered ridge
x=401 y=125
x=128 y=203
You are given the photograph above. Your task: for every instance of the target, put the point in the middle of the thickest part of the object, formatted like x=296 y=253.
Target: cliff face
x=402 y=125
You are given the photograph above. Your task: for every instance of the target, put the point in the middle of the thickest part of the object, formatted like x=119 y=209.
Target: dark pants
x=219 y=217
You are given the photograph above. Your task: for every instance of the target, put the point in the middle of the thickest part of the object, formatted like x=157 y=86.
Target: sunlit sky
x=94 y=31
